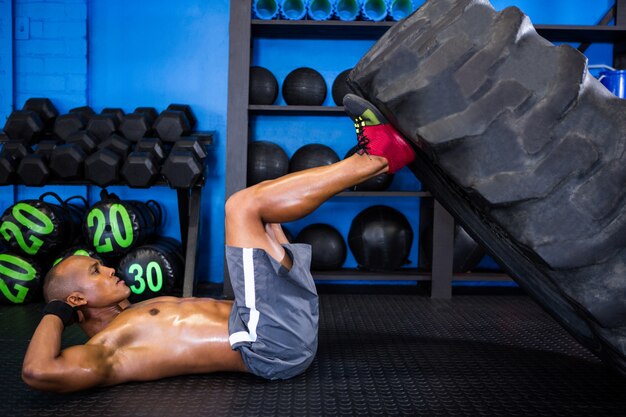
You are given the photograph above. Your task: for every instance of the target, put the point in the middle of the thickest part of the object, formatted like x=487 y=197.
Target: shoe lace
x=363 y=141
x=362 y=146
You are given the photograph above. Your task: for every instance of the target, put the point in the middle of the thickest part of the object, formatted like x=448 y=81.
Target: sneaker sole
x=351 y=101
x=516 y=140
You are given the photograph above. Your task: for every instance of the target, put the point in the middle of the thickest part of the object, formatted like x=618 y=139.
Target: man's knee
x=241 y=203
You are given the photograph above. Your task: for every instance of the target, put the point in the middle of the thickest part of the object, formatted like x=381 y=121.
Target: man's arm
x=48 y=368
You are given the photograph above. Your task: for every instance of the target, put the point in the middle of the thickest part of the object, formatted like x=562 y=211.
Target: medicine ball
x=152 y=270
x=340 y=87
x=378 y=183
x=20 y=279
x=304 y=87
x=311 y=156
x=39 y=228
x=467 y=253
x=82 y=250
x=113 y=227
x=263 y=86
x=266 y=161
x=380 y=238
x=328 y=248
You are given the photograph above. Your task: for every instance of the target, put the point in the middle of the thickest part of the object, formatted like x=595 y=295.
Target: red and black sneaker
x=375 y=135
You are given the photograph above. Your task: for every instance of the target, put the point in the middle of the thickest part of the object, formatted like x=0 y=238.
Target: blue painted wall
x=6 y=58
x=128 y=54
x=169 y=52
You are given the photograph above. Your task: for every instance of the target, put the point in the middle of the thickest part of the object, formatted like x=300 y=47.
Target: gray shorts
x=275 y=317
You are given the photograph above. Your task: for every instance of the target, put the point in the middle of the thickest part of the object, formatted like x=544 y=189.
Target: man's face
x=97 y=282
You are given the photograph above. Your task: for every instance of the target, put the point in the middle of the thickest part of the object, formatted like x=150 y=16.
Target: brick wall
x=52 y=61
x=6 y=60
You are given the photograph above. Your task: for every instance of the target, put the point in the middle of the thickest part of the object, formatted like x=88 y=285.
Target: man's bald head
x=60 y=281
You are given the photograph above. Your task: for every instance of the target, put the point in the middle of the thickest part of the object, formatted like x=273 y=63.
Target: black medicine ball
x=380 y=238
x=340 y=87
x=328 y=248
x=263 y=86
x=311 y=156
x=304 y=87
x=266 y=161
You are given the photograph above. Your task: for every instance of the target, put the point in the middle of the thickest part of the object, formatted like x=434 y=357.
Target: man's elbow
x=37 y=377
x=32 y=375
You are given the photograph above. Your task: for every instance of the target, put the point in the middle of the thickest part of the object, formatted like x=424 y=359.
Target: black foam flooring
x=384 y=354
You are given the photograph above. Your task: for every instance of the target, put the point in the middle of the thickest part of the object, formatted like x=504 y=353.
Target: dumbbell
x=67 y=160
x=10 y=156
x=116 y=112
x=138 y=124
x=76 y=120
x=86 y=141
x=84 y=111
x=33 y=168
x=24 y=126
x=28 y=125
x=184 y=164
x=103 y=166
x=103 y=125
x=175 y=122
x=45 y=109
x=141 y=168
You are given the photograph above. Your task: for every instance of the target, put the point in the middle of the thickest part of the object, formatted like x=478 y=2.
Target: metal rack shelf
x=373 y=30
x=407 y=274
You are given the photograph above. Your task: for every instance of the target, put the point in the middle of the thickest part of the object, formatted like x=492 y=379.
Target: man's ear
x=76 y=299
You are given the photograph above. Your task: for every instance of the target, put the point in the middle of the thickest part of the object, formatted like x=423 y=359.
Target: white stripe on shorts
x=250 y=301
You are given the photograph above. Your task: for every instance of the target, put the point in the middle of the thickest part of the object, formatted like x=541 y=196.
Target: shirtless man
x=271 y=328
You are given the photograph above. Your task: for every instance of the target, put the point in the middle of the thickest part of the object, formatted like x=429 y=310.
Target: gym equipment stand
x=188 y=215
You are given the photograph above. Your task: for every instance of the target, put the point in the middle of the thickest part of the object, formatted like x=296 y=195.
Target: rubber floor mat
x=379 y=355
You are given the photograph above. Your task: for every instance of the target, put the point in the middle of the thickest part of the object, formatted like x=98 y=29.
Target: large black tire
x=524 y=148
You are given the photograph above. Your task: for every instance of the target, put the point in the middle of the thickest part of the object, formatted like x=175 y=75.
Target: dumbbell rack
x=188 y=215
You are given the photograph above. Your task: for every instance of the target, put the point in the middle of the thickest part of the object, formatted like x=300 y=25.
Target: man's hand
x=64 y=311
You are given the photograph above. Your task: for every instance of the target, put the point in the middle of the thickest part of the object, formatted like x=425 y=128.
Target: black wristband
x=62 y=310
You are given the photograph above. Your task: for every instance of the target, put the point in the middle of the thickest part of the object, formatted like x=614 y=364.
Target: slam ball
x=20 y=279
x=263 y=86
x=39 y=228
x=378 y=183
x=266 y=161
x=304 y=87
x=340 y=87
x=311 y=156
x=380 y=238
x=152 y=270
x=81 y=250
x=328 y=249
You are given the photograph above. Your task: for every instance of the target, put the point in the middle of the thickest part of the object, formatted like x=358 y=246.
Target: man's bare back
x=169 y=336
